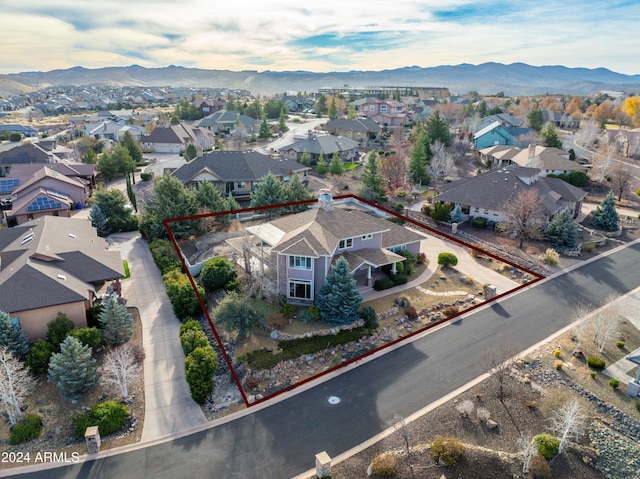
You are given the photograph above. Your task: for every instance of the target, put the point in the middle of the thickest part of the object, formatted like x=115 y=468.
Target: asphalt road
x=281 y=441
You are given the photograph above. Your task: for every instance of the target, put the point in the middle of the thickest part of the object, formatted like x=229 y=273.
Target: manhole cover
x=334 y=400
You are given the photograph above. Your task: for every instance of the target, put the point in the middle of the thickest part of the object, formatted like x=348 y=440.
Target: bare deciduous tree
x=394 y=169
x=499 y=361
x=588 y=133
x=120 y=367
x=581 y=315
x=442 y=162
x=528 y=449
x=621 y=178
x=15 y=384
x=402 y=429
x=568 y=422
x=465 y=408
x=524 y=216
x=602 y=161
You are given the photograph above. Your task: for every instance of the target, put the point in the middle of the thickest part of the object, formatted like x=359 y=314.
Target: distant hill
x=487 y=78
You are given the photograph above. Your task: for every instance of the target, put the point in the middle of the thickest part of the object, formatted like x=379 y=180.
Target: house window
x=299 y=262
x=395 y=249
x=367 y=237
x=242 y=184
x=300 y=289
x=476 y=210
x=365 y=108
x=345 y=243
x=399 y=109
x=383 y=108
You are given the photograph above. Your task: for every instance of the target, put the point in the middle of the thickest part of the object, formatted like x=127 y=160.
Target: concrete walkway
x=629 y=307
x=432 y=246
x=169 y=408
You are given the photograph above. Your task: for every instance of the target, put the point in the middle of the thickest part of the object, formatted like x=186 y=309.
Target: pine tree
x=456 y=215
x=419 y=159
x=352 y=114
x=437 y=128
x=130 y=143
x=333 y=109
x=89 y=157
x=372 y=180
x=282 y=121
x=209 y=197
x=270 y=191
x=305 y=159
x=335 y=167
x=12 y=336
x=130 y=193
x=562 y=230
x=296 y=191
x=265 y=131
x=338 y=299
x=550 y=137
x=116 y=322
x=605 y=216
x=73 y=369
x=190 y=152
x=321 y=165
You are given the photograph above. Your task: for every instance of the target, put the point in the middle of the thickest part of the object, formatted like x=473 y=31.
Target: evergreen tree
x=305 y=159
x=535 y=119
x=352 y=114
x=199 y=367
x=116 y=322
x=89 y=157
x=338 y=299
x=282 y=121
x=605 y=216
x=437 y=128
x=130 y=143
x=108 y=167
x=73 y=369
x=321 y=165
x=456 y=215
x=321 y=106
x=190 y=152
x=296 y=191
x=335 y=167
x=265 y=131
x=270 y=191
x=562 y=230
x=99 y=221
x=550 y=137
x=131 y=194
x=209 y=197
x=123 y=159
x=372 y=180
x=113 y=204
x=419 y=159
x=333 y=109
x=12 y=336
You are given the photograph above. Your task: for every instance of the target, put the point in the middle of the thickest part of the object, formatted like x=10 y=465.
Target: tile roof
x=248 y=165
x=52 y=261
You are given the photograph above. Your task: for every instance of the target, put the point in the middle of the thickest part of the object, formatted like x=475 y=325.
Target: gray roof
x=225 y=117
x=495 y=189
x=248 y=165
x=325 y=144
x=53 y=261
x=24 y=153
x=365 y=125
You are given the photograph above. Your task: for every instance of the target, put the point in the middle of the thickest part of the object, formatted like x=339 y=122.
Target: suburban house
x=627 y=142
x=303 y=247
x=295 y=103
x=360 y=129
x=489 y=194
x=11 y=154
x=229 y=121
x=549 y=160
x=236 y=172
x=560 y=120
x=390 y=113
x=24 y=130
x=52 y=265
x=499 y=155
x=111 y=130
x=175 y=138
x=497 y=133
x=207 y=107
x=325 y=145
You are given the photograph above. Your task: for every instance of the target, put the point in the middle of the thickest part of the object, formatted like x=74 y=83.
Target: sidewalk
x=169 y=408
x=620 y=368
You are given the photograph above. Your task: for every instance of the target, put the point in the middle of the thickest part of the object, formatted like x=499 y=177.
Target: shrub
x=93 y=314
x=58 y=329
x=479 y=222
x=183 y=299
x=26 y=429
x=539 y=468
x=384 y=465
x=200 y=366
x=401 y=193
x=15 y=136
x=614 y=383
x=637 y=404
x=426 y=210
x=314 y=312
x=421 y=257
x=397 y=206
x=558 y=364
x=369 y=317
x=287 y=310
x=164 y=255
x=411 y=312
x=593 y=374
x=399 y=279
x=550 y=257
x=190 y=325
x=595 y=363
x=37 y=359
x=450 y=311
x=557 y=353
x=192 y=339
x=547 y=445
x=589 y=247
x=447 y=260
x=144 y=176
x=89 y=336
x=620 y=344
x=110 y=417
x=216 y=273
x=531 y=404
x=383 y=283
x=446 y=450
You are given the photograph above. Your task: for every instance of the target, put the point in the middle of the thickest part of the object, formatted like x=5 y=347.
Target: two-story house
x=390 y=113
x=303 y=247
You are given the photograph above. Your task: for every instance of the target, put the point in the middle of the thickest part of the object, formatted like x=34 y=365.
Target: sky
x=328 y=35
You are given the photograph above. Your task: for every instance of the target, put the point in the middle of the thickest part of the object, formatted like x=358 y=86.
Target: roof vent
x=71 y=235
x=62 y=277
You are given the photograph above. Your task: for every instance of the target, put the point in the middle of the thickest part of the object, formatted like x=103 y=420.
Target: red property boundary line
x=167 y=223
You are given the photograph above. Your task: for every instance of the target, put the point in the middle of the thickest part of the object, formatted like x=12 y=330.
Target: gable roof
x=325 y=144
x=225 y=117
x=364 y=125
x=546 y=158
x=24 y=153
x=52 y=261
x=181 y=134
x=248 y=165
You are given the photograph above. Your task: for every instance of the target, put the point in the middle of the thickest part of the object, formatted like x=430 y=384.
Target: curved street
x=282 y=439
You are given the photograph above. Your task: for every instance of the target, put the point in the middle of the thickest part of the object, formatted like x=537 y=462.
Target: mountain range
x=487 y=78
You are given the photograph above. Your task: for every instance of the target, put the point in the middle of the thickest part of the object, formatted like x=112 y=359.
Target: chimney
x=532 y=150
x=326 y=201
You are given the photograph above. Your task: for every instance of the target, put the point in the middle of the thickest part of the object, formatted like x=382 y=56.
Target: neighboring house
x=111 y=130
x=505 y=119
x=236 y=172
x=229 y=121
x=295 y=103
x=560 y=120
x=11 y=154
x=303 y=247
x=489 y=194
x=53 y=265
x=390 y=113
x=493 y=135
x=360 y=129
x=627 y=142
x=206 y=107
x=549 y=160
x=327 y=145
x=175 y=138
x=499 y=155
x=26 y=131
